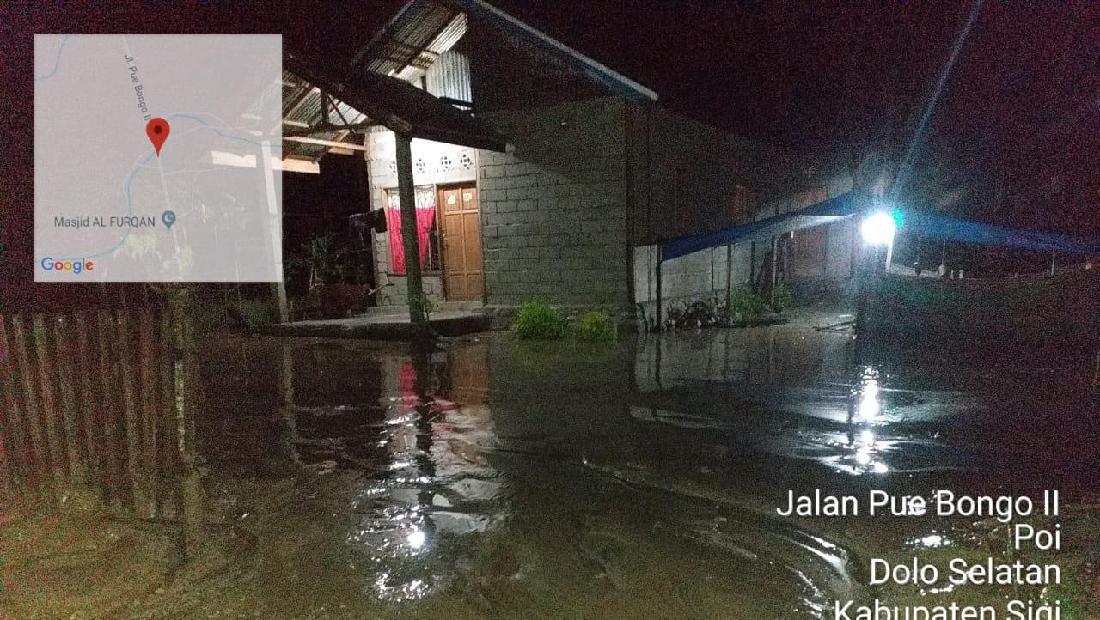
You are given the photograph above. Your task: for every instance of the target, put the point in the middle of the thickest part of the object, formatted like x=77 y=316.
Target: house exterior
x=594 y=176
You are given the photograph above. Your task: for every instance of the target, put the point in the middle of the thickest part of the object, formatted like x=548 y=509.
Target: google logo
x=75 y=266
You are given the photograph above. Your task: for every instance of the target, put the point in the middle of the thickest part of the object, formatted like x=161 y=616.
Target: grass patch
x=538 y=320
x=244 y=315
x=745 y=303
x=595 y=326
x=255 y=314
x=781 y=298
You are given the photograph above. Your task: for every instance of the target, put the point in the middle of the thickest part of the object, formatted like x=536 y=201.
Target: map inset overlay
x=108 y=208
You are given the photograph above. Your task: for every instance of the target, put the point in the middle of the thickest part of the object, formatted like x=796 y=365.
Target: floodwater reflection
x=865 y=412
x=490 y=477
x=841 y=406
x=421 y=479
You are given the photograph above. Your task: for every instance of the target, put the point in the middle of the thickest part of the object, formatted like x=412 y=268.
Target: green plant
x=595 y=326
x=319 y=262
x=745 y=302
x=424 y=303
x=781 y=297
x=537 y=320
x=208 y=315
x=255 y=314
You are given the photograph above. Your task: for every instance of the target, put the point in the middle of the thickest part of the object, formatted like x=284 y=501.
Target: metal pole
x=775 y=252
x=660 y=291
x=862 y=273
x=729 y=271
x=1096 y=375
x=752 y=265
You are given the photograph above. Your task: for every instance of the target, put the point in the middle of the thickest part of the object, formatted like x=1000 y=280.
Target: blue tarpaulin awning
x=955 y=229
x=828 y=211
x=911 y=221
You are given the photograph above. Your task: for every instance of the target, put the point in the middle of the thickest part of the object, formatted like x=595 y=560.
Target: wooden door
x=463 y=279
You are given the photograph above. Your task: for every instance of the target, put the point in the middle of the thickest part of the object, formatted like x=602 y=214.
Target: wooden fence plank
x=7 y=466
x=169 y=445
x=150 y=399
x=18 y=444
x=109 y=438
x=66 y=382
x=130 y=409
x=85 y=369
x=47 y=391
x=36 y=433
x=59 y=423
x=8 y=451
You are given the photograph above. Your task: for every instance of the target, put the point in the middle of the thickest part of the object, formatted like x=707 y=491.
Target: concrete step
x=384 y=326
x=445 y=306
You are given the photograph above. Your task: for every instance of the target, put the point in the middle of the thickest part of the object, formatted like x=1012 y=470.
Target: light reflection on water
x=866 y=394
x=933 y=540
x=414 y=497
x=865 y=413
x=840 y=410
x=570 y=483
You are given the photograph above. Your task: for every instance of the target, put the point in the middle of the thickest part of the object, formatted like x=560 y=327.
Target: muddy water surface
x=486 y=477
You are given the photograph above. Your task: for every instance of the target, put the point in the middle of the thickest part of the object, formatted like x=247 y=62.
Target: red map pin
x=157 y=129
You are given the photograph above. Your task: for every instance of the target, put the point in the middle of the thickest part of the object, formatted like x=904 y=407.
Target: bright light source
x=878 y=229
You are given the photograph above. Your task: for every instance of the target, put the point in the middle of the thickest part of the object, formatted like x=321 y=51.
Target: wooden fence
x=93 y=401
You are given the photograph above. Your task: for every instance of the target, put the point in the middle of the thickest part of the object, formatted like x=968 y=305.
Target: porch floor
x=385 y=325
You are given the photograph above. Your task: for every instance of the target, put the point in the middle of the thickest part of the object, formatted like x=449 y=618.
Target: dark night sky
x=1023 y=101
x=1022 y=104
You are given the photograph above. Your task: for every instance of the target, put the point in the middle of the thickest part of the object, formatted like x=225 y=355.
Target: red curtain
x=425 y=217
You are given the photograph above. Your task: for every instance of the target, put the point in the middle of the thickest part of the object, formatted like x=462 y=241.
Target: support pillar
x=417 y=315
x=278 y=287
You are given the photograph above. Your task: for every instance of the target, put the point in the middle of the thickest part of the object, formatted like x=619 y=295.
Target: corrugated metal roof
x=449 y=36
x=399 y=105
x=423 y=29
x=450 y=77
x=302 y=116
x=415 y=37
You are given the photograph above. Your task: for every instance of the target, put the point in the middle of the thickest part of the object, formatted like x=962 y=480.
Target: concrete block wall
x=695 y=276
x=839 y=261
x=553 y=211
x=702 y=275
x=562 y=210
x=718 y=163
x=832 y=277
x=687 y=180
x=825 y=274
x=687 y=174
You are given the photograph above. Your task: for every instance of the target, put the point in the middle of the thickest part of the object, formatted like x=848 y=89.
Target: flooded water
x=488 y=477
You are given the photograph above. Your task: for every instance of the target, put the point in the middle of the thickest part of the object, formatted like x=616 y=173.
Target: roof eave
x=593 y=70
x=424 y=117
x=612 y=80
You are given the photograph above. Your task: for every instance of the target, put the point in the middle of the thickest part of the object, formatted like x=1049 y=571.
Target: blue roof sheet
x=912 y=221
